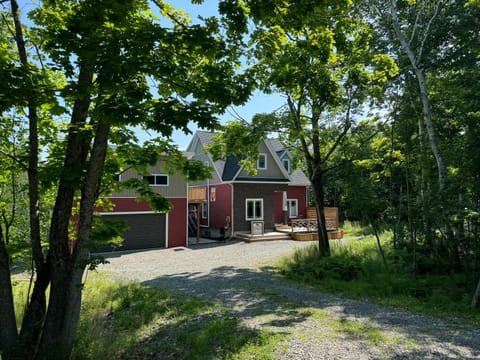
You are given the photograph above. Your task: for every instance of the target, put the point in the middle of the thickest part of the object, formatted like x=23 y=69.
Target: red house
x=149 y=229
x=237 y=202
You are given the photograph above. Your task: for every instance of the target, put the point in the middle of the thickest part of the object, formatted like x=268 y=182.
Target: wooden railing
x=197 y=194
x=311 y=225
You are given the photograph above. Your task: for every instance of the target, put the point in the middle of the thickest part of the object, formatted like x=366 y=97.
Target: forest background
x=382 y=111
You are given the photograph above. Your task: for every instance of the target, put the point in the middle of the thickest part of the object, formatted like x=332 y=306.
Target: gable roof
x=229 y=169
x=297 y=177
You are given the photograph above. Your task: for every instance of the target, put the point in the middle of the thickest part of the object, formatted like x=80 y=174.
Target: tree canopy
x=79 y=77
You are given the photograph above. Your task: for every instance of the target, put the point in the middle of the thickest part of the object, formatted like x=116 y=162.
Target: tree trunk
x=34 y=316
x=379 y=244
x=8 y=325
x=35 y=311
x=66 y=289
x=323 y=243
x=34 y=198
x=422 y=84
x=476 y=296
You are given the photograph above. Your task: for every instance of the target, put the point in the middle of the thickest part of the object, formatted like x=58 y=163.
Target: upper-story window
x=262 y=161
x=117 y=177
x=286 y=165
x=157 y=179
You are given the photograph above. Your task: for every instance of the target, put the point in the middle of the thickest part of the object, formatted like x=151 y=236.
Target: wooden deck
x=267 y=236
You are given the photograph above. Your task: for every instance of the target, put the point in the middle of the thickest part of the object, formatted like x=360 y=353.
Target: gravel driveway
x=320 y=326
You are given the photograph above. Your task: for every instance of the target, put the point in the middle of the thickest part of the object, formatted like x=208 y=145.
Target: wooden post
x=198 y=222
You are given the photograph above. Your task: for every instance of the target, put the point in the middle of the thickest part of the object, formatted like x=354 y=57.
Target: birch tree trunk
x=414 y=58
x=476 y=296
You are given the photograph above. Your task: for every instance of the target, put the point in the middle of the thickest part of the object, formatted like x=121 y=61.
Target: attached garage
x=146 y=231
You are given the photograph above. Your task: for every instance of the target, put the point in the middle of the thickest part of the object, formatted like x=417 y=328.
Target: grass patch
x=367 y=332
x=354 y=229
x=132 y=321
x=355 y=269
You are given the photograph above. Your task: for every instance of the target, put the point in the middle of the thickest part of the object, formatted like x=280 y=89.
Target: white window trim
x=289 y=201
x=258 y=161
x=119 y=174
x=204 y=210
x=288 y=168
x=166 y=175
x=246 y=209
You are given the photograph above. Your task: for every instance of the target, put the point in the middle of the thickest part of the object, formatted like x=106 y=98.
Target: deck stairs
x=267 y=236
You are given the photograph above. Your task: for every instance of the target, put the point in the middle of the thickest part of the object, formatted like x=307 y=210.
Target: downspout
x=166 y=230
x=232 y=215
x=186 y=214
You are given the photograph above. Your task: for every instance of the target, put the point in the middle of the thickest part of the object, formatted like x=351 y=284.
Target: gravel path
x=320 y=326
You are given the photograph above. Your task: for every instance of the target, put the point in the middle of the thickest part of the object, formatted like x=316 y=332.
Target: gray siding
x=177 y=187
x=241 y=192
x=200 y=155
x=271 y=172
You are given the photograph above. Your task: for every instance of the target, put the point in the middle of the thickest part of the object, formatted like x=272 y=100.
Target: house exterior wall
x=176 y=234
x=177 y=223
x=271 y=172
x=278 y=202
x=220 y=205
x=265 y=191
x=200 y=155
x=299 y=193
x=176 y=184
x=294 y=192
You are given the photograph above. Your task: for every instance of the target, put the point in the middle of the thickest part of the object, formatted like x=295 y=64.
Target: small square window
x=262 y=161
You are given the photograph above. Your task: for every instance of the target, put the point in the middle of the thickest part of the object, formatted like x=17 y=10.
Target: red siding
x=294 y=192
x=221 y=207
x=278 y=203
x=177 y=223
x=299 y=193
x=129 y=204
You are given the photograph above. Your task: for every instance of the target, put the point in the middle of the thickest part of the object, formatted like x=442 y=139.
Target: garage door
x=145 y=231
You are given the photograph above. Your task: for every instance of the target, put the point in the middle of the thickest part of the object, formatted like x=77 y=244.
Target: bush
x=341 y=268
x=356 y=269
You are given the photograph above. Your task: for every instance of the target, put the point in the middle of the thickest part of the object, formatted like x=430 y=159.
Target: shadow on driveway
x=249 y=293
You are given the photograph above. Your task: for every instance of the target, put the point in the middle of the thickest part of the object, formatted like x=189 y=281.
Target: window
x=262 y=162
x=292 y=205
x=204 y=210
x=117 y=177
x=254 y=209
x=286 y=165
x=157 y=179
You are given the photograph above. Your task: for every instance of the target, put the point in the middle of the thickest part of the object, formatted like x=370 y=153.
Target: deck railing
x=310 y=225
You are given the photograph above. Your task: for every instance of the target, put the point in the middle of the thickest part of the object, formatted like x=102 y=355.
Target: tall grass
x=135 y=321
x=355 y=269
